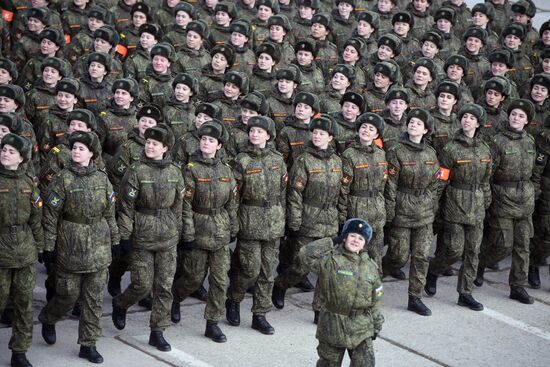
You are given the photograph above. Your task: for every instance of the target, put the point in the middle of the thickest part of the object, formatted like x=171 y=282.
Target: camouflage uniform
x=345 y=132
x=313 y=80
x=393 y=130
x=164 y=16
x=176 y=36
x=38 y=101
x=510 y=226
x=261 y=180
x=362 y=194
x=327 y=55
x=74 y=19
x=330 y=100
x=126 y=155
x=25 y=48
x=179 y=116
x=280 y=108
x=342 y=28
x=115 y=123
x=422 y=21
x=315 y=181
x=94 y=96
x=463 y=206
x=244 y=59
x=411 y=196
x=478 y=66
x=191 y=61
x=419 y=97
x=156 y=88
x=292 y=140
x=136 y=64
x=82 y=236
x=20 y=240
x=502 y=16
x=209 y=221
x=262 y=81
x=80 y=44
x=122 y=16
x=350 y=316
x=151 y=217
x=444 y=129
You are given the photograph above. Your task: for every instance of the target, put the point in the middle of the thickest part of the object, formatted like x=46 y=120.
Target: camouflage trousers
x=87 y=289
x=540 y=243
x=458 y=241
x=360 y=356
x=151 y=271
x=409 y=242
x=17 y=285
x=196 y=264
x=505 y=236
x=291 y=269
x=254 y=261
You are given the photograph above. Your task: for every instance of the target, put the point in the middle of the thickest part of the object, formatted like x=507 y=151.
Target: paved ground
x=506 y=333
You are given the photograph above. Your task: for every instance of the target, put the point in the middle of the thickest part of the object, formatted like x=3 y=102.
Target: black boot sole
x=471 y=307
x=263 y=331
x=85 y=356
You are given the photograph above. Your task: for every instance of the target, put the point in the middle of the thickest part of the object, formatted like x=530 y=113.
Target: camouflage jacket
x=136 y=64
x=179 y=116
x=412 y=190
x=151 y=204
x=185 y=146
x=418 y=97
x=513 y=161
x=114 y=125
x=313 y=80
x=126 y=155
x=315 y=182
x=292 y=140
x=468 y=194
x=21 y=236
x=541 y=172
x=209 y=203
x=191 y=61
x=365 y=172
x=53 y=129
x=176 y=36
x=351 y=289
x=38 y=101
x=94 y=96
x=345 y=132
x=261 y=188
x=444 y=129
x=393 y=130
x=81 y=234
x=156 y=88
x=280 y=108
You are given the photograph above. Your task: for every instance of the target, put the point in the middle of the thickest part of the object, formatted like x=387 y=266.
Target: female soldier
x=20 y=240
x=365 y=172
x=209 y=225
x=150 y=222
x=350 y=318
x=315 y=180
x=261 y=182
x=466 y=167
x=81 y=236
x=411 y=195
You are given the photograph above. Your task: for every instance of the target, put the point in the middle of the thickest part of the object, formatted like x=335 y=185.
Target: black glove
x=232 y=239
x=125 y=246
x=47 y=257
x=186 y=246
x=117 y=251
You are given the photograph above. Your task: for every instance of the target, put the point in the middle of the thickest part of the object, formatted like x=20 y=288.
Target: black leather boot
x=449 y=272
x=232 y=312
x=146 y=302
x=305 y=285
x=521 y=295
x=91 y=354
x=416 y=305
x=467 y=300
x=156 y=339
x=214 y=332
x=175 y=313
x=20 y=360
x=478 y=281
x=119 y=317
x=533 y=277
x=431 y=284
x=113 y=287
x=201 y=294
x=48 y=333
x=398 y=274
x=278 y=297
x=260 y=323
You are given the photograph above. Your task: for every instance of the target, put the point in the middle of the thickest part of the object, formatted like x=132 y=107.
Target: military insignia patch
x=346 y=179
x=132 y=193
x=299 y=184
x=38 y=202
x=188 y=194
x=540 y=159
x=55 y=201
x=392 y=170
x=112 y=197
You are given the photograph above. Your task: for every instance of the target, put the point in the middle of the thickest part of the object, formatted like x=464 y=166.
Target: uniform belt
x=80 y=220
x=415 y=192
x=319 y=204
x=152 y=212
x=513 y=184
x=261 y=203
x=365 y=193
x=208 y=211
x=13 y=229
x=354 y=313
x=463 y=186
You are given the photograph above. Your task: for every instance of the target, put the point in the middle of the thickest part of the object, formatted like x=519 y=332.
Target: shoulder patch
x=55 y=200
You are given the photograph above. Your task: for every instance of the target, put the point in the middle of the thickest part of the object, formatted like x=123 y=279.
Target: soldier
x=430 y=45
x=540 y=97
x=265 y=10
x=444 y=23
x=513 y=37
x=445 y=123
x=150 y=224
x=466 y=170
x=352 y=105
x=301 y=22
x=225 y=13
x=176 y=32
x=343 y=18
x=503 y=12
x=116 y=122
x=156 y=86
x=418 y=87
x=223 y=57
x=413 y=170
x=422 y=19
x=474 y=39
x=164 y=15
x=80 y=239
x=397 y=102
x=179 y=110
x=389 y=46
x=542 y=44
x=279 y=28
x=513 y=200
x=81 y=43
x=8 y=71
x=122 y=14
x=315 y=182
x=192 y=56
x=342 y=77
x=261 y=181
x=131 y=37
x=21 y=239
x=385 y=10
x=246 y=9
x=313 y=80
x=327 y=52
x=136 y=64
x=245 y=58
x=352 y=54
x=209 y=225
x=29 y=43
x=368 y=23
x=262 y=79
x=348 y=320
x=386 y=75
x=235 y=86
x=95 y=90
x=539 y=246
x=365 y=172
x=295 y=136
x=502 y=60
x=402 y=24
x=455 y=70
x=496 y=90
x=522 y=12
x=280 y=98
x=74 y=16
x=483 y=15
